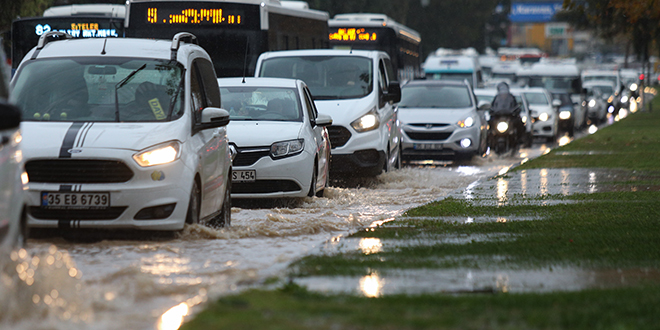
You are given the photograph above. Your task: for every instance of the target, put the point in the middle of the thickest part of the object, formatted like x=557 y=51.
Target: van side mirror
x=213 y=118
x=393 y=92
x=10 y=116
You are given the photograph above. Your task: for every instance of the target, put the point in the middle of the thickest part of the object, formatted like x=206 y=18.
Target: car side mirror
x=556 y=103
x=323 y=120
x=213 y=118
x=484 y=105
x=10 y=116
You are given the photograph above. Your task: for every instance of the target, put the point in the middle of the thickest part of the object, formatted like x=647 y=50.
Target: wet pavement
x=505 y=188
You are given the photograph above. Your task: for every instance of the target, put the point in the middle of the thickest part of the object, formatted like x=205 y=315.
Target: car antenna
x=247 y=44
x=103 y=50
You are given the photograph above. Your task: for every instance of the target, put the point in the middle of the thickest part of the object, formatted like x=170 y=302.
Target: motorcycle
x=503 y=134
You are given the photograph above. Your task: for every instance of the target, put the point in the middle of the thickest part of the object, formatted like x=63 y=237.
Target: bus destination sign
x=78 y=30
x=196 y=16
x=353 y=34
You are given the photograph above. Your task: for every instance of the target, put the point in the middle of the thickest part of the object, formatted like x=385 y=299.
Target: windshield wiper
x=121 y=84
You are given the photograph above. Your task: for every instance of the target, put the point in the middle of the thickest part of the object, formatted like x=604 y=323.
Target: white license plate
x=75 y=200
x=244 y=176
x=427 y=146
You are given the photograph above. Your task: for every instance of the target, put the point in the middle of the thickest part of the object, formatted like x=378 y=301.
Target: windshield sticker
x=157 y=109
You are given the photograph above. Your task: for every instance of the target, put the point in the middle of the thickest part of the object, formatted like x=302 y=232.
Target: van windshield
x=456 y=76
x=99 y=89
x=328 y=77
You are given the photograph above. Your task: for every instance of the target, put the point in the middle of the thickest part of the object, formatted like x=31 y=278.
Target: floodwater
x=154 y=283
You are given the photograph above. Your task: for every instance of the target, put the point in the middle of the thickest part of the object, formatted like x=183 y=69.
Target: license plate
x=75 y=200
x=244 y=176
x=428 y=146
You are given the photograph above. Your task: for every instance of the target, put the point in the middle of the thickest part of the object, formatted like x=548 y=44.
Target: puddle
x=461 y=281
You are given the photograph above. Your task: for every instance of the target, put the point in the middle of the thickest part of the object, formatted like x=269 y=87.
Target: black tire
x=194 y=204
x=23 y=230
x=223 y=219
x=399 y=158
x=312 y=187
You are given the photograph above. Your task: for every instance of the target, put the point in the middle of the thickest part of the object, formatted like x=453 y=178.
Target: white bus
x=233 y=32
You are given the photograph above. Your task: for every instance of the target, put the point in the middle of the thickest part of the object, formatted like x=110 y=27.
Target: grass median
x=617 y=230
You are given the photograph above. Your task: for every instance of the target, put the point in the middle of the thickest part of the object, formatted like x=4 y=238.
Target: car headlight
x=624 y=99
x=287 y=148
x=544 y=116
x=592 y=103
x=564 y=115
x=366 y=123
x=502 y=126
x=160 y=154
x=524 y=119
x=633 y=87
x=467 y=122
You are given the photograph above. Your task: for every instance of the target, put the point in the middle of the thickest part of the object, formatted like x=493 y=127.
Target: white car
x=358 y=89
x=281 y=141
x=123 y=134
x=545 y=119
x=442 y=120
x=13 y=227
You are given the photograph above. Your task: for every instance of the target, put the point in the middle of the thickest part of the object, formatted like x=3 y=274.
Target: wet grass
x=633 y=143
x=294 y=308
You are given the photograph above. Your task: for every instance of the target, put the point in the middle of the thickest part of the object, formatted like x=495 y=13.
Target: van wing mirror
x=213 y=118
x=394 y=92
x=10 y=116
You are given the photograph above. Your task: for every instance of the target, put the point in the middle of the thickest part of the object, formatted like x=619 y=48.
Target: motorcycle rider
x=505 y=103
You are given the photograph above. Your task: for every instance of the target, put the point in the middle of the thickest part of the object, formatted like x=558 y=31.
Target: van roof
x=552 y=69
x=323 y=52
x=439 y=64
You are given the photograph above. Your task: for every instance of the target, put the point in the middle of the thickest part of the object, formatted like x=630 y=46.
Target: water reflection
x=371 y=245
x=592 y=183
x=173 y=318
x=523 y=183
x=593 y=129
x=543 y=182
x=502 y=283
x=565 y=182
x=371 y=285
x=502 y=189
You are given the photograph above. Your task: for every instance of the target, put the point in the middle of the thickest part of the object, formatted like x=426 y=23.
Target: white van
x=454 y=67
x=358 y=89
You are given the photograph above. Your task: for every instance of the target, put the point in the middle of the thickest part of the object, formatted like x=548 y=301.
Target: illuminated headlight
x=543 y=117
x=633 y=87
x=524 y=119
x=164 y=153
x=366 y=123
x=565 y=115
x=468 y=122
x=592 y=103
x=287 y=148
x=624 y=99
x=466 y=143
x=502 y=126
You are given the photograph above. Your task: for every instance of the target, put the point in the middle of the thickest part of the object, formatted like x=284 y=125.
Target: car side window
x=390 y=71
x=196 y=94
x=210 y=83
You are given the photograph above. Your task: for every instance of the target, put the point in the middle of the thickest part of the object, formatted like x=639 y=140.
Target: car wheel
x=312 y=186
x=224 y=218
x=327 y=179
x=23 y=230
x=194 y=204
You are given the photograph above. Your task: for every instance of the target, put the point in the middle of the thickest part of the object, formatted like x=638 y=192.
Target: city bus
x=234 y=32
x=379 y=32
x=79 y=21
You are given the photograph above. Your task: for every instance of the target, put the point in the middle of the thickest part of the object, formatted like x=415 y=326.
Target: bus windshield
x=328 y=77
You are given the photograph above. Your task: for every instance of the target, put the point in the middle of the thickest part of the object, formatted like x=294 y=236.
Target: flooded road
x=154 y=283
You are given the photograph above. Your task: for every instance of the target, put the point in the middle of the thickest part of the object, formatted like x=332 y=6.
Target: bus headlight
x=366 y=123
x=565 y=115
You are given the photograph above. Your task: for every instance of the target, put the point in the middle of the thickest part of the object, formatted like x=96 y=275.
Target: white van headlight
x=366 y=123
x=158 y=155
x=468 y=122
x=287 y=148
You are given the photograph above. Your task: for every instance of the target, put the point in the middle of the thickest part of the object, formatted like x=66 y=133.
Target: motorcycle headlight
x=524 y=119
x=565 y=115
x=633 y=87
x=624 y=99
x=502 y=126
x=366 y=123
x=592 y=103
x=161 y=154
x=544 y=116
x=287 y=148
x=467 y=122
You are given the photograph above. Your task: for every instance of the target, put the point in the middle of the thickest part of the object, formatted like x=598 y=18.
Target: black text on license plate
x=244 y=176
x=428 y=146
x=75 y=200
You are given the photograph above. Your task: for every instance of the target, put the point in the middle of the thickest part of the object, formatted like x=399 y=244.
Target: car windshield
x=536 y=98
x=261 y=103
x=600 y=90
x=438 y=96
x=455 y=76
x=552 y=83
x=328 y=77
x=99 y=89
x=610 y=78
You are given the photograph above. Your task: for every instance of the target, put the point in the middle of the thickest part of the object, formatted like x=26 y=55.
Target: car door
x=386 y=108
x=320 y=134
x=210 y=144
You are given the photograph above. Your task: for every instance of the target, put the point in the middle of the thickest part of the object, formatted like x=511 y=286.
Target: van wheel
x=194 y=204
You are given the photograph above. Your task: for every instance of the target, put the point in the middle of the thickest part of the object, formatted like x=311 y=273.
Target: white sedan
x=281 y=141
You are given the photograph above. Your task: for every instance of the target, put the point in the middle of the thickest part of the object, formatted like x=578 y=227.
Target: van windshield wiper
x=121 y=84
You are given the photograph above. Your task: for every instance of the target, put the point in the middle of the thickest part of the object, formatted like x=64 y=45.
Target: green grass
x=606 y=230
x=292 y=308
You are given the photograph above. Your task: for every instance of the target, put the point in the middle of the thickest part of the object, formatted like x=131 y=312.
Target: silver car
x=442 y=120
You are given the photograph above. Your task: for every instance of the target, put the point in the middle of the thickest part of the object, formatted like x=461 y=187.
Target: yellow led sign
x=353 y=34
x=192 y=16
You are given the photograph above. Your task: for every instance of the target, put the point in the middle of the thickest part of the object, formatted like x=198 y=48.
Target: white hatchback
x=281 y=141
x=123 y=134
